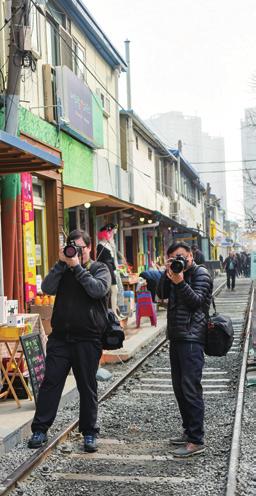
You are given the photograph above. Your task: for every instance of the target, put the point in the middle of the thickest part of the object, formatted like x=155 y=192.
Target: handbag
x=113 y=334
x=219 y=334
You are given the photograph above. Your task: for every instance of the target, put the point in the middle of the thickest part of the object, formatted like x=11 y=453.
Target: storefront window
x=40 y=231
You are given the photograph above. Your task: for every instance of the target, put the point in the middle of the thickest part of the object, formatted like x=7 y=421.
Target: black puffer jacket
x=78 y=312
x=188 y=304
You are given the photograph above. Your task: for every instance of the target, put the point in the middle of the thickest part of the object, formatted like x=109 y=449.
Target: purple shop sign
x=75 y=102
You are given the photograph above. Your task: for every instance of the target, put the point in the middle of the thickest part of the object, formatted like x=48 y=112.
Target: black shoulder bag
x=113 y=334
x=219 y=334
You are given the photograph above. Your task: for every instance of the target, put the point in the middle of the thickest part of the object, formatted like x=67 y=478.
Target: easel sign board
x=35 y=358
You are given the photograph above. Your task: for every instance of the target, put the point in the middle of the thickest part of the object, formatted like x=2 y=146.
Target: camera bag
x=113 y=334
x=219 y=335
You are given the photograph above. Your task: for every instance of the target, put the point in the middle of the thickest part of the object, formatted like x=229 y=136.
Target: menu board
x=35 y=358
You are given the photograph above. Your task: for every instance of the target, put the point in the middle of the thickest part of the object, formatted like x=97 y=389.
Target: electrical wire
x=115 y=100
x=8 y=20
x=75 y=54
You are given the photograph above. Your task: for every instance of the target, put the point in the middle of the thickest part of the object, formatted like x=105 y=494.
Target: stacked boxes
x=45 y=312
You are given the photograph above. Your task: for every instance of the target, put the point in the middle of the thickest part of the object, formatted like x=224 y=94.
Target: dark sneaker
x=189 y=450
x=37 y=439
x=183 y=439
x=90 y=444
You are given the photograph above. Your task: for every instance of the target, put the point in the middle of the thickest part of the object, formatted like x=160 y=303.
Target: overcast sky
x=198 y=57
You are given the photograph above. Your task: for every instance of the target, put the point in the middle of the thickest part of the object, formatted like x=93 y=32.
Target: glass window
x=57 y=13
x=79 y=60
x=53 y=43
x=157 y=173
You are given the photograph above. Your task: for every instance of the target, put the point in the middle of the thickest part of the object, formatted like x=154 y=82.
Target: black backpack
x=219 y=335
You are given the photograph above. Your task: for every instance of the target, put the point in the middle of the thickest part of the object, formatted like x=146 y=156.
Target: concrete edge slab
x=133 y=345
x=23 y=431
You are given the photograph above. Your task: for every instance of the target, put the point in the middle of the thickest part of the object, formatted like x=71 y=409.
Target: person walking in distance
x=198 y=255
x=78 y=320
x=230 y=265
x=188 y=288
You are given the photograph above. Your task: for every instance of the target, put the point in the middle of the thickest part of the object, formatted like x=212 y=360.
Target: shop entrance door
x=40 y=231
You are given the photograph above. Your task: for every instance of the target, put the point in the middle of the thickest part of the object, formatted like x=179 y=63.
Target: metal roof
x=137 y=121
x=16 y=155
x=187 y=165
x=85 y=21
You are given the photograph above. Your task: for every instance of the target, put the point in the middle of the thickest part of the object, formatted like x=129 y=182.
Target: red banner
x=28 y=236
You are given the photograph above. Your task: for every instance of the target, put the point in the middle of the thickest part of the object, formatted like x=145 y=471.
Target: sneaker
x=189 y=450
x=37 y=439
x=179 y=440
x=90 y=444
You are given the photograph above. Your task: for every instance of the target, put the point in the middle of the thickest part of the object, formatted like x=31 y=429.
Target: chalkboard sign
x=35 y=358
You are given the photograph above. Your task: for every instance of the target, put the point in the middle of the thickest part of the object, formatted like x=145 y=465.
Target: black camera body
x=71 y=250
x=178 y=264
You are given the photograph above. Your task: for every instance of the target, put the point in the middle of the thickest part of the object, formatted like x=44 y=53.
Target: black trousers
x=84 y=358
x=187 y=361
x=231 y=274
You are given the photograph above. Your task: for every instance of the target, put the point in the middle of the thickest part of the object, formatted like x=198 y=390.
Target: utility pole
x=18 y=10
x=129 y=124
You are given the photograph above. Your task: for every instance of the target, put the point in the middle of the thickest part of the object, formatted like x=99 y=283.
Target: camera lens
x=177 y=266
x=70 y=251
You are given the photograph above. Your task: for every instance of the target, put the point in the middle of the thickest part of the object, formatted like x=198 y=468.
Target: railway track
x=138 y=414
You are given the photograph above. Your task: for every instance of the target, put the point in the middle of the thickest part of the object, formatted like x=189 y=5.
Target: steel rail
x=26 y=467
x=235 y=445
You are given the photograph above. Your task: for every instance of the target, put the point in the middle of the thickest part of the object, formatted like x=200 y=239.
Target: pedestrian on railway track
x=81 y=287
x=188 y=288
x=231 y=267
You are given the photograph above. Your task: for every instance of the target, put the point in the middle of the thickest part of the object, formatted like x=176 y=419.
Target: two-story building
x=68 y=111
x=164 y=182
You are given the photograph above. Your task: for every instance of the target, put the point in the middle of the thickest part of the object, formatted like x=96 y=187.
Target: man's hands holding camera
x=71 y=262
x=175 y=277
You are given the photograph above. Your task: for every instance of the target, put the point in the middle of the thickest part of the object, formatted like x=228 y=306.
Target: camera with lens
x=71 y=250
x=178 y=264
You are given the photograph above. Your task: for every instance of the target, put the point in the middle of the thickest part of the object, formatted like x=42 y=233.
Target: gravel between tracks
x=143 y=427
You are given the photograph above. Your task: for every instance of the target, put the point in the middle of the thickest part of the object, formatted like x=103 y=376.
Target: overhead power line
x=224 y=170
x=74 y=53
x=225 y=162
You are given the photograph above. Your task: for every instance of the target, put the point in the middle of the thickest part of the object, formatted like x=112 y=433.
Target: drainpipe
x=118 y=141
x=129 y=123
x=179 y=179
x=128 y=75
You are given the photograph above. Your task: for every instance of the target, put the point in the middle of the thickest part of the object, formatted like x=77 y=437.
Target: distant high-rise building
x=205 y=152
x=248 y=137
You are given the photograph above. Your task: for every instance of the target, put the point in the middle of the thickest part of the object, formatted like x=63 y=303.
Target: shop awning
x=17 y=155
x=74 y=197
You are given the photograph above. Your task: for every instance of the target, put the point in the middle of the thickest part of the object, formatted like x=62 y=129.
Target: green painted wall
x=77 y=157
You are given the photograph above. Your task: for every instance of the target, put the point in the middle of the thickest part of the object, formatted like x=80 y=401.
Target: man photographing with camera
x=188 y=288
x=78 y=321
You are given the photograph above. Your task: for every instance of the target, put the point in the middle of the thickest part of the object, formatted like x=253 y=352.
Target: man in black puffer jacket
x=78 y=320
x=188 y=288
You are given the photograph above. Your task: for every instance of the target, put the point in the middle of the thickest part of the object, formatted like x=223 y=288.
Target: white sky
x=197 y=57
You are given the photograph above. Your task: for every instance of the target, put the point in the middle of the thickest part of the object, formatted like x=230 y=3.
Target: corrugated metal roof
x=17 y=155
x=83 y=19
